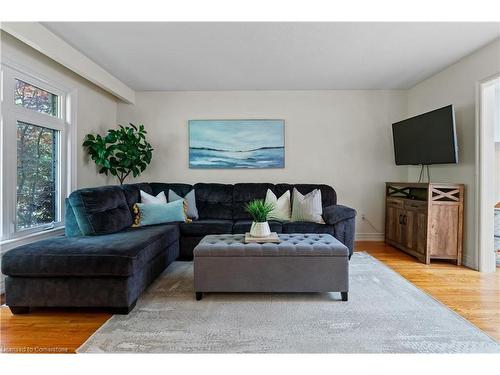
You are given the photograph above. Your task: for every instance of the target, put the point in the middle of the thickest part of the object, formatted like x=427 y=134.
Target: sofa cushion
x=132 y=192
x=100 y=210
x=214 y=201
x=203 y=227
x=244 y=193
x=117 y=254
x=179 y=189
x=71 y=227
x=307 y=227
x=243 y=226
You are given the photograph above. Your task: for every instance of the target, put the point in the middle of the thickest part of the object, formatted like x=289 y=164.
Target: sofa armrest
x=336 y=213
x=343 y=220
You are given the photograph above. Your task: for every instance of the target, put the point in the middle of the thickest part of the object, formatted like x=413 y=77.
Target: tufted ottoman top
x=301 y=245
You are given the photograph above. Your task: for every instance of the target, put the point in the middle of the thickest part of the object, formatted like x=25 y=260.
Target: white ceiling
x=274 y=56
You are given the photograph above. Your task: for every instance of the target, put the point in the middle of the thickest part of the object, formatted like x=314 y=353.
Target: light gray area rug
x=384 y=314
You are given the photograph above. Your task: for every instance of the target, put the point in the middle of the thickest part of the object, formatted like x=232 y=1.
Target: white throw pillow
x=282 y=208
x=307 y=207
x=151 y=199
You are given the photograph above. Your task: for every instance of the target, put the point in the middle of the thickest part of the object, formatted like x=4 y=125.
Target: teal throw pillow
x=190 y=198
x=158 y=213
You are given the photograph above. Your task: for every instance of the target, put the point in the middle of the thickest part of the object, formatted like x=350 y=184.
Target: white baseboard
x=370 y=236
x=468 y=262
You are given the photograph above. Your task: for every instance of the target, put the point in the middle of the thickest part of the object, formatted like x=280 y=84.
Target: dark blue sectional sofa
x=103 y=262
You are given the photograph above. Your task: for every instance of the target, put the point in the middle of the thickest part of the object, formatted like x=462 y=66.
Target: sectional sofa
x=104 y=262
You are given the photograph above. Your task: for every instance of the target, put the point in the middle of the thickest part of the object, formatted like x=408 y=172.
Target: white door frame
x=485 y=163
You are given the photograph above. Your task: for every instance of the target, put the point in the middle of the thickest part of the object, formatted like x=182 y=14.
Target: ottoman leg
x=199 y=296
x=344 y=296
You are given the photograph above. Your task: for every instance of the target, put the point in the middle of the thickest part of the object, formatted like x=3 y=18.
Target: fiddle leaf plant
x=120 y=152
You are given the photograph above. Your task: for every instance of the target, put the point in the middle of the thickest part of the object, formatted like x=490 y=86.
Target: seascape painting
x=236 y=144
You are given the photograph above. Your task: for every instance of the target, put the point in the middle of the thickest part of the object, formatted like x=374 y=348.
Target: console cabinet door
x=444 y=222
x=400 y=232
x=415 y=223
x=393 y=220
x=395 y=230
x=391 y=223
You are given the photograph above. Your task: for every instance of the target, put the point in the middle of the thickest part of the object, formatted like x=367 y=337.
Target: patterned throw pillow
x=307 y=207
x=189 y=198
x=158 y=213
x=151 y=199
x=282 y=207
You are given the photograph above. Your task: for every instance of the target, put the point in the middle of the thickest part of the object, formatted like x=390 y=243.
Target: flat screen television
x=429 y=138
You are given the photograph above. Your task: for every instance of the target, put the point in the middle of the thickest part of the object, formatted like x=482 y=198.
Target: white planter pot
x=260 y=229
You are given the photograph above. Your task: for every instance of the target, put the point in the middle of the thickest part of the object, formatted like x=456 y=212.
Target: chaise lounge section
x=104 y=262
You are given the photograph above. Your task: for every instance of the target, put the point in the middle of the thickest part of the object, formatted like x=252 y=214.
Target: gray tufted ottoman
x=299 y=263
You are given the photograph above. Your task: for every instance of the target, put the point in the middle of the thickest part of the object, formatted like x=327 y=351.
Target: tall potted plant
x=121 y=152
x=259 y=210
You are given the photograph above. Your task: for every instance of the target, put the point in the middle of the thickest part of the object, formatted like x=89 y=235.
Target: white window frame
x=64 y=123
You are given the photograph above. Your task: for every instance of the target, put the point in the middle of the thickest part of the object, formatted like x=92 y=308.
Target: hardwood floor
x=471 y=294
x=47 y=330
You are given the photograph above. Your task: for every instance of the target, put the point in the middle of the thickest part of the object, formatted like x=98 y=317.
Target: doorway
x=488 y=174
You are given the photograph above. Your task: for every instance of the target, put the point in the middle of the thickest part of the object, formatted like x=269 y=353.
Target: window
x=36 y=176
x=35 y=169
x=32 y=97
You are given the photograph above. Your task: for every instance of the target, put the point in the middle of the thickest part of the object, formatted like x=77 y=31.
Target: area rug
x=384 y=314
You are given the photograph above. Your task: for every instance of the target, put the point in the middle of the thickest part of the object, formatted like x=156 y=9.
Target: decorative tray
x=272 y=238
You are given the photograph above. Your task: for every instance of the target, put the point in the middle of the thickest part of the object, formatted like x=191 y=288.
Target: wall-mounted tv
x=429 y=138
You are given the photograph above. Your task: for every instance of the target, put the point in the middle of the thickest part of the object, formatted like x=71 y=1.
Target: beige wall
x=341 y=138
x=457 y=85
x=96 y=109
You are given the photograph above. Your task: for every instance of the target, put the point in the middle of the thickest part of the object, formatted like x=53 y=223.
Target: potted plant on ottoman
x=259 y=210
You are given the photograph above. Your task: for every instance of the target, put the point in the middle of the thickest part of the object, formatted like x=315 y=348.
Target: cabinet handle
x=400 y=219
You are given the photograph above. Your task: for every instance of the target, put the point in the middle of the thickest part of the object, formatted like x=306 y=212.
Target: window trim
x=65 y=123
